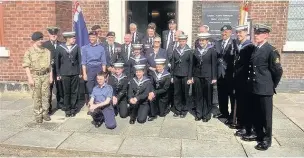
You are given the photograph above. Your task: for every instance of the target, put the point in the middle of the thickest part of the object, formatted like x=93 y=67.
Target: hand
x=85 y=77
x=58 y=78
x=114 y=100
x=190 y=81
x=80 y=76
x=135 y=100
x=92 y=107
x=132 y=101
x=151 y=96
x=213 y=81
x=31 y=82
x=51 y=79
x=171 y=80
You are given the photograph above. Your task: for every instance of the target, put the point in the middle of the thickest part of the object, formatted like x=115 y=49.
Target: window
x=295 y=25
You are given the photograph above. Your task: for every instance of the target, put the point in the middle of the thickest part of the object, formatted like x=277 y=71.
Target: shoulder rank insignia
x=277 y=60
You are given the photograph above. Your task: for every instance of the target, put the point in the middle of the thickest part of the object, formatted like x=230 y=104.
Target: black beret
x=53 y=30
x=111 y=33
x=93 y=33
x=95 y=27
x=226 y=27
x=172 y=21
x=37 y=36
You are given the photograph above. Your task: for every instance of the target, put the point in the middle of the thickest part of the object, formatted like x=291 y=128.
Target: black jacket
x=161 y=84
x=181 y=63
x=119 y=85
x=265 y=70
x=68 y=62
x=139 y=89
x=226 y=58
x=165 y=38
x=123 y=57
x=112 y=58
x=48 y=45
x=205 y=63
x=138 y=38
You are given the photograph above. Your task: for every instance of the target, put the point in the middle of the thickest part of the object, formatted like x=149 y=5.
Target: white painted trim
x=294 y=46
x=117 y=18
x=185 y=18
x=4 y=52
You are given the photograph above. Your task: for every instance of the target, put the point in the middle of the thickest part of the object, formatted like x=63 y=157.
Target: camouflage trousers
x=41 y=92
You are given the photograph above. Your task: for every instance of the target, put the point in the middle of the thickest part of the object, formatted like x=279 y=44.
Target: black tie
x=171 y=37
x=223 y=44
x=150 y=41
x=111 y=50
x=175 y=44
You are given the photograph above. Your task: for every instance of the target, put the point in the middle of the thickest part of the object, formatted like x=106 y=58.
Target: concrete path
x=174 y=137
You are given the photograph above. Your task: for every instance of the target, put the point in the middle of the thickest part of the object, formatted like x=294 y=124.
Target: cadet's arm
x=103 y=60
x=165 y=88
x=84 y=61
x=123 y=90
x=145 y=94
x=190 y=65
x=27 y=64
x=275 y=67
x=79 y=60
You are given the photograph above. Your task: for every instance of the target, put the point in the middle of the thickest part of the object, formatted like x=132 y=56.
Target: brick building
x=18 y=19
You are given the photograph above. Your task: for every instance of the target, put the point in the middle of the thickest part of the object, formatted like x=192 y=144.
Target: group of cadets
x=149 y=76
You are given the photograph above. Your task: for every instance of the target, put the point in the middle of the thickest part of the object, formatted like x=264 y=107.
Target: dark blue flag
x=80 y=28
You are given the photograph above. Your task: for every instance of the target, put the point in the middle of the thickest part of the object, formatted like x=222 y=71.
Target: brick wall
x=64 y=14
x=96 y=13
x=293 y=65
x=21 y=19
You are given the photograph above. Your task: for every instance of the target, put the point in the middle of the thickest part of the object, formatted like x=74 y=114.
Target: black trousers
x=181 y=95
x=70 y=89
x=203 y=95
x=242 y=98
x=262 y=107
x=139 y=111
x=122 y=107
x=225 y=92
x=59 y=92
x=159 y=106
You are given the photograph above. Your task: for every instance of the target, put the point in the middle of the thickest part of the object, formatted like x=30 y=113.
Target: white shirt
x=226 y=42
x=168 y=37
x=129 y=50
x=259 y=46
x=134 y=36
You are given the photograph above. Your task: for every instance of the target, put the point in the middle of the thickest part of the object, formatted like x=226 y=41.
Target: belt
x=40 y=73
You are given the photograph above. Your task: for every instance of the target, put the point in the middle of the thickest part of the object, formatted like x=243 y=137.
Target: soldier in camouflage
x=37 y=64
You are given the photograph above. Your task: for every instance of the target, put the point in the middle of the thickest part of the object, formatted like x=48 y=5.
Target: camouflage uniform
x=38 y=60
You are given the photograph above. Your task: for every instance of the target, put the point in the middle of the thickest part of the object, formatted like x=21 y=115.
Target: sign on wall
x=215 y=15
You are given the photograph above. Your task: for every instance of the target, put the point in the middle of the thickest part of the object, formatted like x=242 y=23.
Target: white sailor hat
x=139 y=67
x=203 y=35
x=261 y=28
x=118 y=65
x=160 y=61
x=182 y=37
x=136 y=46
x=69 y=34
x=241 y=28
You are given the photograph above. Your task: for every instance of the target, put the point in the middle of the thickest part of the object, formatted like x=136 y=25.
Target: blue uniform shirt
x=100 y=94
x=93 y=55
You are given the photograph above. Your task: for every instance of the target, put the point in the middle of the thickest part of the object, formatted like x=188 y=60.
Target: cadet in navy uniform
x=119 y=82
x=112 y=49
x=155 y=53
x=52 y=44
x=226 y=49
x=245 y=49
x=265 y=73
x=139 y=89
x=181 y=65
x=126 y=53
x=136 y=59
x=158 y=98
x=168 y=35
x=68 y=67
x=102 y=110
x=93 y=61
x=204 y=73
x=136 y=36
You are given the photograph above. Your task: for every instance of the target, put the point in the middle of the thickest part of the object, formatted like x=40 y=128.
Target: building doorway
x=144 y=12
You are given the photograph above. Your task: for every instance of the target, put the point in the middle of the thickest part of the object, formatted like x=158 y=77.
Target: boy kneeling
x=100 y=106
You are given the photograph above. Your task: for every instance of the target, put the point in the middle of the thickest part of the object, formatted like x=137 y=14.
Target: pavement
x=165 y=137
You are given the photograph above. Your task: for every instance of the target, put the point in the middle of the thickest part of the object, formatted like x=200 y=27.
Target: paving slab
x=27 y=111
x=15 y=122
x=288 y=133
x=75 y=124
x=178 y=128
x=7 y=133
x=6 y=113
x=254 y=143
x=151 y=146
x=149 y=131
x=196 y=148
x=50 y=126
x=18 y=105
x=92 y=142
x=38 y=138
x=10 y=97
x=291 y=142
x=122 y=126
x=283 y=124
x=274 y=151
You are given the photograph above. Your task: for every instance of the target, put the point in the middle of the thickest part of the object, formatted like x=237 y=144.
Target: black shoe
x=249 y=137
x=98 y=124
x=89 y=113
x=132 y=122
x=229 y=122
x=197 y=119
x=223 y=116
x=67 y=115
x=240 y=132
x=264 y=145
x=182 y=116
x=205 y=120
x=217 y=115
x=175 y=115
x=151 y=118
x=73 y=115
